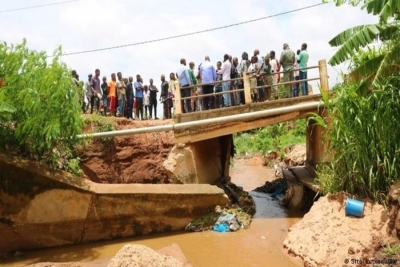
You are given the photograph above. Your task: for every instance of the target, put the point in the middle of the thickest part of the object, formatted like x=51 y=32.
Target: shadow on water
x=269 y=207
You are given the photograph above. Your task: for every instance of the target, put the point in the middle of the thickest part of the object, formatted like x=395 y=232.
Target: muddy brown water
x=260 y=245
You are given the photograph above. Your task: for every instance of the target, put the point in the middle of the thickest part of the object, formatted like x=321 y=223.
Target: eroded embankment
x=126 y=159
x=327 y=237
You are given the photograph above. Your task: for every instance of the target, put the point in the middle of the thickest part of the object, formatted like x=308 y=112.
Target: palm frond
x=389 y=31
x=389 y=64
x=351 y=40
x=364 y=85
x=367 y=68
x=385 y=9
x=342 y=2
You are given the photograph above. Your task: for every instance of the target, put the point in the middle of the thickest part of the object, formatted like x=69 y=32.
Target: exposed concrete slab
x=297 y=178
x=41 y=207
x=306 y=177
x=203 y=162
x=294 y=191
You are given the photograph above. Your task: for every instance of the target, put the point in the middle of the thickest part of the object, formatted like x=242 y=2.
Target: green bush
x=73 y=166
x=365 y=139
x=101 y=124
x=40 y=110
x=300 y=128
x=275 y=137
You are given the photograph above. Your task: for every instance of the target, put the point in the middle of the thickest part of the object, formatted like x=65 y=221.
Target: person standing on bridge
x=275 y=67
x=88 y=91
x=265 y=70
x=303 y=60
x=112 y=94
x=104 y=90
x=95 y=90
x=121 y=95
x=153 y=99
x=296 y=86
x=130 y=95
x=172 y=86
x=242 y=68
x=208 y=76
x=184 y=81
x=139 y=97
x=253 y=70
x=235 y=75
x=218 y=87
x=165 y=99
x=226 y=75
x=287 y=61
x=259 y=58
x=193 y=82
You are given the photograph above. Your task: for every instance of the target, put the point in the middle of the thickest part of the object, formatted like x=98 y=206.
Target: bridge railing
x=247 y=89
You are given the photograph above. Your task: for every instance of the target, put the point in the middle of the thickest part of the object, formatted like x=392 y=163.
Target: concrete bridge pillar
x=315 y=145
x=202 y=162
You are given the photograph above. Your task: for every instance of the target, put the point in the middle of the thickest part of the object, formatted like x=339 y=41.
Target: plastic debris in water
x=221 y=227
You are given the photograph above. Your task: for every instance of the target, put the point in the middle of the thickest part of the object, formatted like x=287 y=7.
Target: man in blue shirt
x=208 y=75
x=139 y=96
x=184 y=81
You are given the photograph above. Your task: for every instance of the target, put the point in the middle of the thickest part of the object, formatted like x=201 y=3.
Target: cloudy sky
x=91 y=24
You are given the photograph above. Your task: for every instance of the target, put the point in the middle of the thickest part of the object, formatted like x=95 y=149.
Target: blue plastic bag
x=221 y=227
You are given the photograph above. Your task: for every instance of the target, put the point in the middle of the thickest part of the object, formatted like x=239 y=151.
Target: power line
x=192 y=33
x=37 y=6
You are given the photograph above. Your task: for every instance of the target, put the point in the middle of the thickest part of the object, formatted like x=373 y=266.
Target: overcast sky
x=91 y=24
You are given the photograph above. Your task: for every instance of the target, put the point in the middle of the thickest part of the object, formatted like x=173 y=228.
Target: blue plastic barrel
x=354 y=208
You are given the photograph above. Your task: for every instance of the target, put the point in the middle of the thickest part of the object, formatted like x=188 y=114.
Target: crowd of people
x=207 y=87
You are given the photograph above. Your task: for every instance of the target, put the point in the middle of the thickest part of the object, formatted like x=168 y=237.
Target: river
x=260 y=245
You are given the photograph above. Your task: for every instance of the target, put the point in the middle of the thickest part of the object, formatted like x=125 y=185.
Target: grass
x=101 y=124
x=391 y=250
x=274 y=137
x=365 y=140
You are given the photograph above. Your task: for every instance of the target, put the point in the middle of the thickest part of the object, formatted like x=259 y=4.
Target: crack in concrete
x=86 y=218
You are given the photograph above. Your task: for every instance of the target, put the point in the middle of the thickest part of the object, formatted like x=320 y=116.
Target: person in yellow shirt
x=112 y=94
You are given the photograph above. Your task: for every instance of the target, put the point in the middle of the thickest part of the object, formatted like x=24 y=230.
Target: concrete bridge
x=204 y=138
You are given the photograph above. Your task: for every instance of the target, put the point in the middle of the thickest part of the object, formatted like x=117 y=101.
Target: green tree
x=40 y=113
x=377 y=68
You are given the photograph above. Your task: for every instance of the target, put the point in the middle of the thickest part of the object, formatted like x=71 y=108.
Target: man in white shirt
x=184 y=81
x=226 y=75
x=259 y=58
